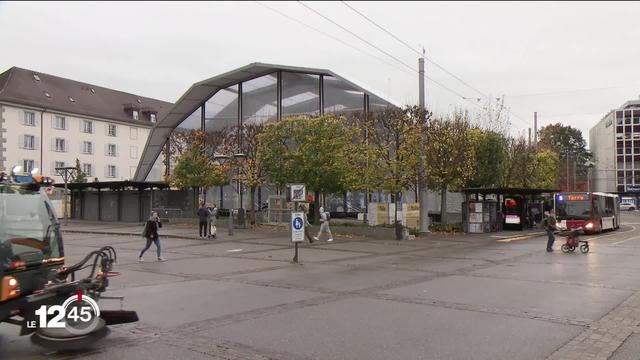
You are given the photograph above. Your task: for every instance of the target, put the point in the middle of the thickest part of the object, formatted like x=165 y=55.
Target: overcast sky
x=571 y=62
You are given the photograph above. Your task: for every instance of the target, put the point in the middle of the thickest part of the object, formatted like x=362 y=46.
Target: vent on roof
x=139 y=101
x=46 y=93
x=93 y=91
x=71 y=99
x=35 y=76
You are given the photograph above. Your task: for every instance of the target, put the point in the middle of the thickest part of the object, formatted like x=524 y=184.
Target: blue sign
x=298 y=223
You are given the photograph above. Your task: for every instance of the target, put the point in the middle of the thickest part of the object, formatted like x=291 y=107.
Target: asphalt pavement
x=441 y=297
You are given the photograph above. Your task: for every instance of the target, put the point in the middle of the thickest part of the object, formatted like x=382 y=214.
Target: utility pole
x=535 y=128
x=423 y=192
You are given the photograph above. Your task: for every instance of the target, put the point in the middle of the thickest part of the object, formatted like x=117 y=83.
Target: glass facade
x=221 y=110
x=340 y=97
x=300 y=94
x=260 y=100
x=627 y=148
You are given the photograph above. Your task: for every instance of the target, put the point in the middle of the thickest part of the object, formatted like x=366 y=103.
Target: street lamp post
x=222 y=159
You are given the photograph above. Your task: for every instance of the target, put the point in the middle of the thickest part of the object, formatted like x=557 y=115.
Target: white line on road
x=234 y=250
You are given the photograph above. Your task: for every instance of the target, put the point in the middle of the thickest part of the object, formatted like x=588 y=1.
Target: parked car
x=628 y=207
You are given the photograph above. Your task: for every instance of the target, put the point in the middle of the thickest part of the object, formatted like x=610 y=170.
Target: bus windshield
x=573 y=210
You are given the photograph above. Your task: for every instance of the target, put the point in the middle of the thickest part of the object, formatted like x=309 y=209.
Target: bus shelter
x=495 y=209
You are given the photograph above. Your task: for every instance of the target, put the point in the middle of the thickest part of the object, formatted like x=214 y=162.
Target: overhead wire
x=424 y=55
x=385 y=52
x=407 y=65
x=331 y=36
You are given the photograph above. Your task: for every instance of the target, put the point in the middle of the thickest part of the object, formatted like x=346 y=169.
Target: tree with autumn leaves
x=195 y=168
x=315 y=151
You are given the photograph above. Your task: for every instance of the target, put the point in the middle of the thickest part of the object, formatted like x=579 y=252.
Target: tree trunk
x=316 y=207
x=398 y=225
x=195 y=201
x=252 y=206
x=443 y=206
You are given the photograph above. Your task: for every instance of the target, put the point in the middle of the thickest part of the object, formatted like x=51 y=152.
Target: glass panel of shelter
x=300 y=94
x=220 y=117
x=260 y=100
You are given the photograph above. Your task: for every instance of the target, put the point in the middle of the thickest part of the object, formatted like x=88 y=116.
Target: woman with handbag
x=150 y=233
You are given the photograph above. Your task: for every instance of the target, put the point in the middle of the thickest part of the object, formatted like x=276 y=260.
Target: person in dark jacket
x=203 y=216
x=550 y=225
x=150 y=233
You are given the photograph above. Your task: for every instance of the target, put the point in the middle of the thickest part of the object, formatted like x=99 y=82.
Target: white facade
x=108 y=150
x=602 y=144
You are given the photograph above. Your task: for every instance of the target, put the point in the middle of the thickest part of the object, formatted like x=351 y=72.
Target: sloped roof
x=203 y=90
x=28 y=87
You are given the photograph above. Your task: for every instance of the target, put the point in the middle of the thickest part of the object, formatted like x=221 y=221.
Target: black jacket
x=203 y=214
x=151 y=229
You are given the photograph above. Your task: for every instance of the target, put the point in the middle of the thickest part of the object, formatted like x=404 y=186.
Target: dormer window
x=135 y=115
x=152 y=117
x=36 y=77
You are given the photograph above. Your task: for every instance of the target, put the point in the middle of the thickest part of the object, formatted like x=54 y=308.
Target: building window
x=87 y=126
x=135 y=114
x=60 y=123
x=152 y=117
x=111 y=171
x=113 y=130
x=87 y=169
x=60 y=145
x=133 y=152
x=29 y=118
x=134 y=133
x=29 y=142
x=28 y=165
x=111 y=150
x=57 y=164
x=87 y=147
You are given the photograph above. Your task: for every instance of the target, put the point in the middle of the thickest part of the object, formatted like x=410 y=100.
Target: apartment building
x=48 y=122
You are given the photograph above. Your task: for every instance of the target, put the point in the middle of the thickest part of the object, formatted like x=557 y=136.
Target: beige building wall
x=51 y=144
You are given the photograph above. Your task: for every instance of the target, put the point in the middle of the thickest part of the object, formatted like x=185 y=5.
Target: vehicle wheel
x=572 y=248
x=565 y=248
x=584 y=248
x=62 y=340
x=631 y=209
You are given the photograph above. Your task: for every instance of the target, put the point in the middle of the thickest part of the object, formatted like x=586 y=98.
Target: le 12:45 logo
x=79 y=315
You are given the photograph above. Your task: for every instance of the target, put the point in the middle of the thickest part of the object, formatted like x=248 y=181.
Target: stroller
x=573 y=241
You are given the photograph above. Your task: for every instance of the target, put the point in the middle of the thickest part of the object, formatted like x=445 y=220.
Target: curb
x=124 y=234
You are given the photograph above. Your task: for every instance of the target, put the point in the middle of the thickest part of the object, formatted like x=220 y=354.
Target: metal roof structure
x=296 y=98
x=32 y=88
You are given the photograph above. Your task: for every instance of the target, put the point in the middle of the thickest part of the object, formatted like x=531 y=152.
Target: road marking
x=598 y=237
x=620 y=242
x=234 y=250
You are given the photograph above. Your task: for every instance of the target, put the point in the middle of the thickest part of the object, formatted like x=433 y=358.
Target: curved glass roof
x=254 y=93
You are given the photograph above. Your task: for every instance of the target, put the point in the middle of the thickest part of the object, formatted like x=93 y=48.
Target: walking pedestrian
x=324 y=225
x=550 y=226
x=203 y=214
x=213 y=220
x=307 y=234
x=150 y=233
